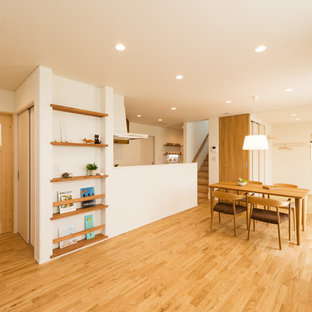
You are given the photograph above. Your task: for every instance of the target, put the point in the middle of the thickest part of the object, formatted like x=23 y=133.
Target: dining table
x=298 y=194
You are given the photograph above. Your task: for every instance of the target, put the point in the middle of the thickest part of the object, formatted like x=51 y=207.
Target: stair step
x=202 y=188
x=202 y=181
x=205 y=163
x=203 y=168
x=203 y=174
x=202 y=195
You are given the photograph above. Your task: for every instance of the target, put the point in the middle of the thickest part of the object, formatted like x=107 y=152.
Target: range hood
x=120 y=122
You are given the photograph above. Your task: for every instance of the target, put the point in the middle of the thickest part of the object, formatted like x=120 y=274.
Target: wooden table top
x=254 y=188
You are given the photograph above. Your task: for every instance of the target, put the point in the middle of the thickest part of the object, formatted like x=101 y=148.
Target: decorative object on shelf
x=97 y=139
x=87 y=192
x=88 y=141
x=116 y=165
x=241 y=182
x=89 y=225
x=91 y=169
x=67 y=230
x=67 y=175
x=66 y=195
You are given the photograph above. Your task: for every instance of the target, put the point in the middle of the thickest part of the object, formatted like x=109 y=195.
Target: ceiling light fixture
x=159 y=119
x=173 y=108
x=120 y=47
x=228 y=102
x=294 y=115
x=298 y=119
x=288 y=89
x=139 y=116
x=260 y=49
x=255 y=142
x=179 y=77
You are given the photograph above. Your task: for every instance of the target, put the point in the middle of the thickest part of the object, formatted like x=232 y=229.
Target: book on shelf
x=86 y=192
x=89 y=225
x=65 y=195
x=65 y=230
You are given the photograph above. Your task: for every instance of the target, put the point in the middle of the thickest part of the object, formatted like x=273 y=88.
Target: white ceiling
x=210 y=42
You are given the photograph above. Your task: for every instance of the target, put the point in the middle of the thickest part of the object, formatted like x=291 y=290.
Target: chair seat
x=228 y=208
x=268 y=216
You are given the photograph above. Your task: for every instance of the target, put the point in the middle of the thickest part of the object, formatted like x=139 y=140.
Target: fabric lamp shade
x=255 y=142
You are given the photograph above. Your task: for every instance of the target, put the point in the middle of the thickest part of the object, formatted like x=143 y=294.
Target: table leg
x=304 y=212
x=298 y=219
x=211 y=207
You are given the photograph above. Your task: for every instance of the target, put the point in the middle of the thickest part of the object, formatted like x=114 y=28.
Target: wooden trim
x=75 y=178
x=117 y=141
x=82 y=243
x=79 y=111
x=78 y=144
x=24 y=109
x=201 y=148
x=60 y=239
x=77 y=200
x=57 y=216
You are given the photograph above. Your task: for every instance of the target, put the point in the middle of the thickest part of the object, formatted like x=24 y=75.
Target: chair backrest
x=267 y=202
x=281 y=185
x=255 y=182
x=227 y=196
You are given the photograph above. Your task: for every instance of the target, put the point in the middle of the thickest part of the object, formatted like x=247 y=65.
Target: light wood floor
x=175 y=264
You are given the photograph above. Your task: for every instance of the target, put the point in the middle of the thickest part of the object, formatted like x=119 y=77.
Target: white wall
x=213 y=153
x=292 y=166
x=130 y=154
x=194 y=135
x=7 y=101
x=142 y=194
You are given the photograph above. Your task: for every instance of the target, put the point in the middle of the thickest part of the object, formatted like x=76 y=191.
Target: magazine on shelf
x=65 y=230
x=87 y=192
x=65 y=195
x=89 y=225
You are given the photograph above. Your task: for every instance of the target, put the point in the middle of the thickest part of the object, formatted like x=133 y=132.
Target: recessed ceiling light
x=120 y=47
x=260 y=49
x=179 y=77
x=139 y=116
x=288 y=89
x=297 y=118
x=159 y=119
x=173 y=108
x=228 y=102
x=294 y=115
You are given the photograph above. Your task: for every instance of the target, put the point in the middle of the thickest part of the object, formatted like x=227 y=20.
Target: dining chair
x=291 y=203
x=269 y=216
x=228 y=204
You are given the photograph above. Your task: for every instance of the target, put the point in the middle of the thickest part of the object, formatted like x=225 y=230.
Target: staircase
x=202 y=180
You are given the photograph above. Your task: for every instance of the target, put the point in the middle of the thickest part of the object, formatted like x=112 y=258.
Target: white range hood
x=120 y=122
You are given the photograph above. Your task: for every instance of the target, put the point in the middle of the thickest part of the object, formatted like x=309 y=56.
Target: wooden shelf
x=79 y=111
x=173 y=144
x=78 y=144
x=77 y=200
x=168 y=153
x=76 y=178
x=61 y=239
x=57 y=216
x=82 y=243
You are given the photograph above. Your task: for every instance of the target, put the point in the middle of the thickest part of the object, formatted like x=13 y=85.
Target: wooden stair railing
x=201 y=148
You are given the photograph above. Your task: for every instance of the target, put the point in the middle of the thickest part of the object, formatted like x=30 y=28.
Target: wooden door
x=23 y=173
x=147 y=151
x=6 y=172
x=233 y=160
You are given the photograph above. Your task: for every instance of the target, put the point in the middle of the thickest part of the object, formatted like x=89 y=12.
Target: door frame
x=14 y=167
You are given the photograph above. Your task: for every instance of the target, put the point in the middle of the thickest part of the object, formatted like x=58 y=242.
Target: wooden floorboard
x=175 y=264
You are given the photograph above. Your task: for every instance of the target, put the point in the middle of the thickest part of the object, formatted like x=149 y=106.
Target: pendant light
x=255 y=142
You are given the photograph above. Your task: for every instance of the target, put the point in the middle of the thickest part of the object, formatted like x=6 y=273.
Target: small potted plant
x=91 y=169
